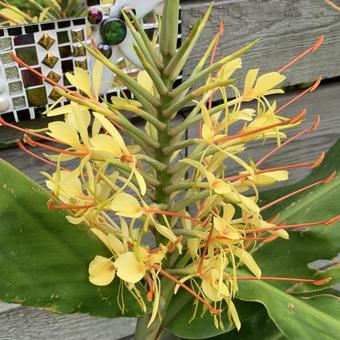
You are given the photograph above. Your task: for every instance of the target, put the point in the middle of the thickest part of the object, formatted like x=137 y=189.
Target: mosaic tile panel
x=53 y=49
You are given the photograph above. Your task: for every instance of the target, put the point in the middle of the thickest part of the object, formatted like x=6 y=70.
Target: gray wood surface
x=285 y=29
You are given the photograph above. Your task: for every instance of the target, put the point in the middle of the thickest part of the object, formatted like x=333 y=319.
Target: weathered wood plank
x=28 y=324
x=285 y=29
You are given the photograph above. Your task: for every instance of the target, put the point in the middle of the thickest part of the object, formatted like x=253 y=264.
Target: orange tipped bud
x=322 y=282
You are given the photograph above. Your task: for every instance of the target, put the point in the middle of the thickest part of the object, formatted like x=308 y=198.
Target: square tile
x=81 y=63
x=63 y=24
x=24 y=115
x=79 y=51
x=48 y=26
x=78 y=35
x=31 y=28
x=54 y=76
x=15 y=87
x=8 y=117
x=65 y=51
x=46 y=41
x=63 y=37
x=50 y=60
x=28 y=55
x=6 y=58
x=36 y=96
x=30 y=79
x=12 y=73
x=15 y=30
x=5 y=44
x=19 y=102
x=67 y=65
x=24 y=39
x=54 y=95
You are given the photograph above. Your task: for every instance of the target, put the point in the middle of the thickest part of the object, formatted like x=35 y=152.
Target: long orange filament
x=67 y=206
x=212 y=60
x=32 y=154
x=29 y=132
x=150 y=293
x=296 y=98
x=52 y=148
x=313 y=48
x=293 y=120
x=211 y=309
x=313 y=127
x=173 y=213
x=313 y=164
x=281 y=199
x=289 y=279
x=40 y=75
x=294 y=226
x=205 y=250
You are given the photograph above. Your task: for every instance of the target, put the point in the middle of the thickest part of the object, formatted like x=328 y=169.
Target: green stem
x=180 y=145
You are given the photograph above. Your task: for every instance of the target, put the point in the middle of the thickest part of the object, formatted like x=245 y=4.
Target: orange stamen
x=67 y=206
x=294 y=226
x=313 y=164
x=150 y=293
x=212 y=60
x=313 y=127
x=172 y=213
x=213 y=54
x=25 y=131
x=211 y=309
x=23 y=64
x=293 y=120
x=311 y=49
x=205 y=249
x=289 y=279
x=279 y=200
x=52 y=148
x=296 y=98
x=174 y=244
x=32 y=154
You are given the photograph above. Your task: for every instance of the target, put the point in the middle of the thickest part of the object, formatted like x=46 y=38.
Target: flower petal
x=126 y=205
x=102 y=271
x=128 y=268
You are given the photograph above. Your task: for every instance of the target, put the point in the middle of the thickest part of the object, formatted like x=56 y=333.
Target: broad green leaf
x=296 y=318
x=44 y=259
x=289 y=258
x=202 y=327
x=260 y=325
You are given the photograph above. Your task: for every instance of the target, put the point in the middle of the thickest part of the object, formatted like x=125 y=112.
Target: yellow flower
x=101 y=271
x=264 y=86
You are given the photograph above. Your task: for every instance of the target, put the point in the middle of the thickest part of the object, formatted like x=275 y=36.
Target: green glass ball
x=113 y=31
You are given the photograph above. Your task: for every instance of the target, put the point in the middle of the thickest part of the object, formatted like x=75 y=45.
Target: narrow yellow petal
x=248 y=261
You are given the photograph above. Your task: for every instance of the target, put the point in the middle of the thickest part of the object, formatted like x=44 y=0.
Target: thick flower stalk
x=205 y=223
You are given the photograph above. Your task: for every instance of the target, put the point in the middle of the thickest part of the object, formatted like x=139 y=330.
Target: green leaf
x=44 y=259
x=289 y=258
x=181 y=311
x=294 y=317
x=260 y=325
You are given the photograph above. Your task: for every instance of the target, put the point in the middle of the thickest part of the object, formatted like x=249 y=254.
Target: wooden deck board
x=285 y=29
